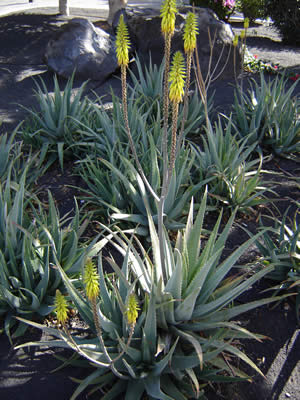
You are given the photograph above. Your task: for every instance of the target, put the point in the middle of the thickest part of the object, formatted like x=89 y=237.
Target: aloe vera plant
x=115 y=186
x=269 y=113
x=280 y=247
x=181 y=335
x=53 y=125
x=148 y=86
x=6 y=149
x=237 y=177
x=15 y=158
x=28 y=276
x=162 y=324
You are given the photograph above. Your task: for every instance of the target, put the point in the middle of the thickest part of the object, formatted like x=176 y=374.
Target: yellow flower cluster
x=132 y=309
x=91 y=280
x=177 y=75
x=61 y=307
x=168 y=14
x=190 y=33
x=122 y=42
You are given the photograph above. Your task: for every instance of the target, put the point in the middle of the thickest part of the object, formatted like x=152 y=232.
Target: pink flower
x=255 y=56
x=229 y=3
x=295 y=77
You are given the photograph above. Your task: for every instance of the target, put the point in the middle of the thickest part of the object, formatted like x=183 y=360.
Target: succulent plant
x=184 y=328
x=280 y=247
x=53 y=125
x=269 y=114
x=115 y=187
x=28 y=276
x=237 y=177
x=15 y=159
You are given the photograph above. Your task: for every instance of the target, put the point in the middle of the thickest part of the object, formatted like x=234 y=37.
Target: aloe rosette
x=28 y=238
x=184 y=331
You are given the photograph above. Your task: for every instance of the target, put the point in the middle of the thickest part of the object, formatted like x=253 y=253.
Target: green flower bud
x=61 y=307
x=168 y=14
x=177 y=75
x=243 y=34
x=235 y=40
x=122 y=42
x=246 y=23
x=91 y=280
x=190 y=32
x=132 y=309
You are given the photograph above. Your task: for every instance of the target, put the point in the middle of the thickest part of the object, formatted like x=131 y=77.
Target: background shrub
x=223 y=8
x=253 y=9
x=286 y=18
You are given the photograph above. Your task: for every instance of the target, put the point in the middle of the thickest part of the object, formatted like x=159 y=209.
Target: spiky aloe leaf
x=162 y=364
x=153 y=388
x=135 y=392
x=174 y=284
x=213 y=281
x=193 y=341
x=117 y=389
x=205 y=309
x=150 y=328
x=90 y=379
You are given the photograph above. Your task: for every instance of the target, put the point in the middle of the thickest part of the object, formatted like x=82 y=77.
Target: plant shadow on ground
x=26 y=374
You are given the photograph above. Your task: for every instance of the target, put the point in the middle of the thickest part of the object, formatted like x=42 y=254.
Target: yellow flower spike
x=132 y=309
x=177 y=75
x=235 y=40
x=190 y=33
x=168 y=14
x=243 y=34
x=246 y=23
x=91 y=280
x=122 y=42
x=61 y=307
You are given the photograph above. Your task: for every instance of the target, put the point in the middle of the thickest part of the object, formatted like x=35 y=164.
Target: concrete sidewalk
x=14 y=6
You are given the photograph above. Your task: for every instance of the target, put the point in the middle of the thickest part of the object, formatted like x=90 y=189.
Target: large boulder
x=82 y=47
x=91 y=51
x=213 y=42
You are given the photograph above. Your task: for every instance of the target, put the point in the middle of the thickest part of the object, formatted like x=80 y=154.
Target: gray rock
x=116 y=19
x=81 y=46
x=91 y=51
x=145 y=33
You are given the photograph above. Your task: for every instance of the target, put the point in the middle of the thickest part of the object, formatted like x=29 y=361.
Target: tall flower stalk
x=235 y=44
x=122 y=50
x=190 y=42
x=168 y=18
x=244 y=39
x=61 y=309
x=176 y=77
x=91 y=281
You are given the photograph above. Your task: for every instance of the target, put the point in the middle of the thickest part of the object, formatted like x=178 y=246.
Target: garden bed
x=27 y=373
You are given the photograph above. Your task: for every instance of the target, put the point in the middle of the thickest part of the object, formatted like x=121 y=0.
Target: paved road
x=12 y=6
